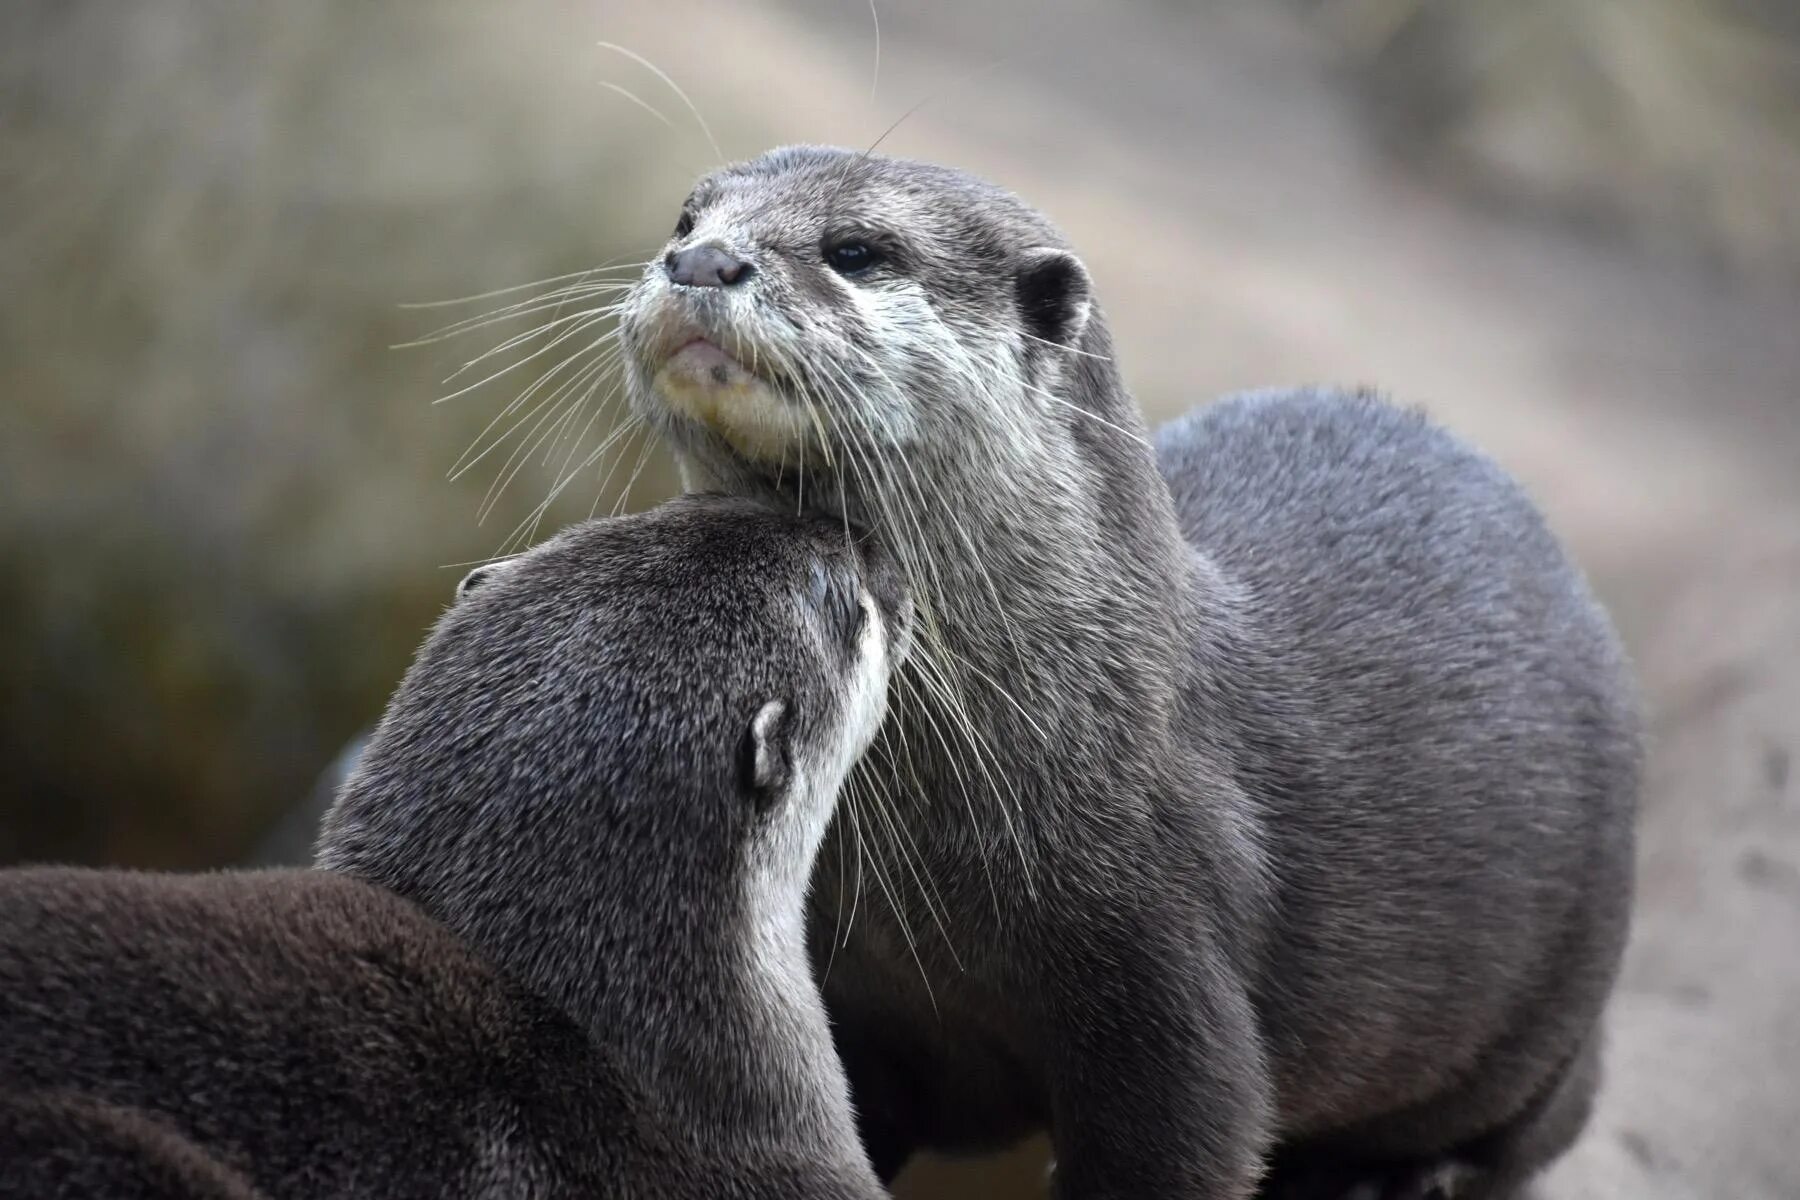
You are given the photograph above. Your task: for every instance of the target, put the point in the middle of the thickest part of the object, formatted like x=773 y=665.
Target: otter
x=1262 y=791
x=555 y=942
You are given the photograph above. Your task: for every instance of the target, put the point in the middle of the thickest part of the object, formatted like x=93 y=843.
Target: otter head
x=611 y=765
x=826 y=313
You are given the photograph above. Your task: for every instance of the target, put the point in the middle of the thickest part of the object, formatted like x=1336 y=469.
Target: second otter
x=558 y=949
x=1267 y=789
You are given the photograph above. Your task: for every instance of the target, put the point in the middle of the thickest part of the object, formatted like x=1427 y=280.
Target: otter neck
x=732 y=1036
x=735 y=1039
x=706 y=1003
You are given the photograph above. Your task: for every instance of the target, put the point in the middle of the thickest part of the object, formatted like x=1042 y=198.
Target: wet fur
x=1260 y=795
x=551 y=953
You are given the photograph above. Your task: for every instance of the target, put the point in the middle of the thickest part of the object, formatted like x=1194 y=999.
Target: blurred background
x=1570 y=228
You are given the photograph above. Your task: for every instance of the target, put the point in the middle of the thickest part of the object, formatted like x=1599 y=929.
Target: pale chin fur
x=756 y=420
x=831 y=391
x=717 y=384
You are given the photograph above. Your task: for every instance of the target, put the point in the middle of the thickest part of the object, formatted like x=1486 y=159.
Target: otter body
x=301 y=1030
x=1266 y=790
x=557 y=945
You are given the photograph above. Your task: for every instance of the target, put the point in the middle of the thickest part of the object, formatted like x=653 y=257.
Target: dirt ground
x=1242 y=233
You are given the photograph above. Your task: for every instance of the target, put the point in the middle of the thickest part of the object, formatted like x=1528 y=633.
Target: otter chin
x=703 y=382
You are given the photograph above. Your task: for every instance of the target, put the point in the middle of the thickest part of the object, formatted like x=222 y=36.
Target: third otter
x=1260 y=796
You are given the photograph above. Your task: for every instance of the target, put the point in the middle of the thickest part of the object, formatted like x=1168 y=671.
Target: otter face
x=648 y=702
x=819 y=310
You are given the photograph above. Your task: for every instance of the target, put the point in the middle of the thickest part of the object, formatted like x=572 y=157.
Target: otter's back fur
x=317 y=1034
x=1428 y=721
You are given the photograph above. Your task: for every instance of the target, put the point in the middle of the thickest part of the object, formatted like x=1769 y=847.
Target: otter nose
x=705 y=266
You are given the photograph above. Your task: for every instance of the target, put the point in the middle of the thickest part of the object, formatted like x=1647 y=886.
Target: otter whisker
x=856 y=889
x=837 y=921
x=910 y=858
x=931 y=672
x=577 y=321
x=476 y=562
x=962 y=533
x=631 y=482
x=906 y=933
x=921 y=703
x=1139 y=438
x=554 y=303
x=497 y=374
x=525 y=528
x=875 y=75
x=961 y=82
x=926 y=890
x=470 y=457
x=548 y=301
x=517 y=459
x=575 y=441
x=1066 y=349
x=528 y=446
x=657 y=71
x=520 y=287
x=905 y=550
x=564 y=475
x=637 y=100
x=636 y=427
x=605 y=360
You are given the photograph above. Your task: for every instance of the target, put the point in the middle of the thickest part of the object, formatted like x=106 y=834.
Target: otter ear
x=483 y=575
x=767 y=764
x=1054 y=294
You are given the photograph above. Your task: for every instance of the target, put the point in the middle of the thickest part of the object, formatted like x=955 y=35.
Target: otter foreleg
x=1156 y=1072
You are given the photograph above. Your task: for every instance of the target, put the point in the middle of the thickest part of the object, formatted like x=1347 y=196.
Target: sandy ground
x=1241 y=233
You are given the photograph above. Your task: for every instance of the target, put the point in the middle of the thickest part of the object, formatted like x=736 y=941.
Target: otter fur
x=1262 y=791
x=555 y=946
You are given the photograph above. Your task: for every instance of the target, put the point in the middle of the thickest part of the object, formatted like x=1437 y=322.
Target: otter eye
x=684 y=224
x=852 y=258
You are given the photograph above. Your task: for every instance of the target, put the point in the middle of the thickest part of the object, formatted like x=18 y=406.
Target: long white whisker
x=637 y=100
x=657 y=71
x=586 y=318
x=1139 y=438
x=472 y=455
x=875 y=76
x=1064 y=348
x=510 y=367
x=520 y=287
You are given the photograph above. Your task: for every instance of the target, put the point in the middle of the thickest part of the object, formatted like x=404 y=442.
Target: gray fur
x=557 y=948
x=1269 y=787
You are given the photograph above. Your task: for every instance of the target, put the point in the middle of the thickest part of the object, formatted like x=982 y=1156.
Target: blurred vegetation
x=1672 y=121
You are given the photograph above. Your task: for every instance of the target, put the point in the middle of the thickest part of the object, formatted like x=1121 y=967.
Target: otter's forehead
x=631 y=641
x=817 y=190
